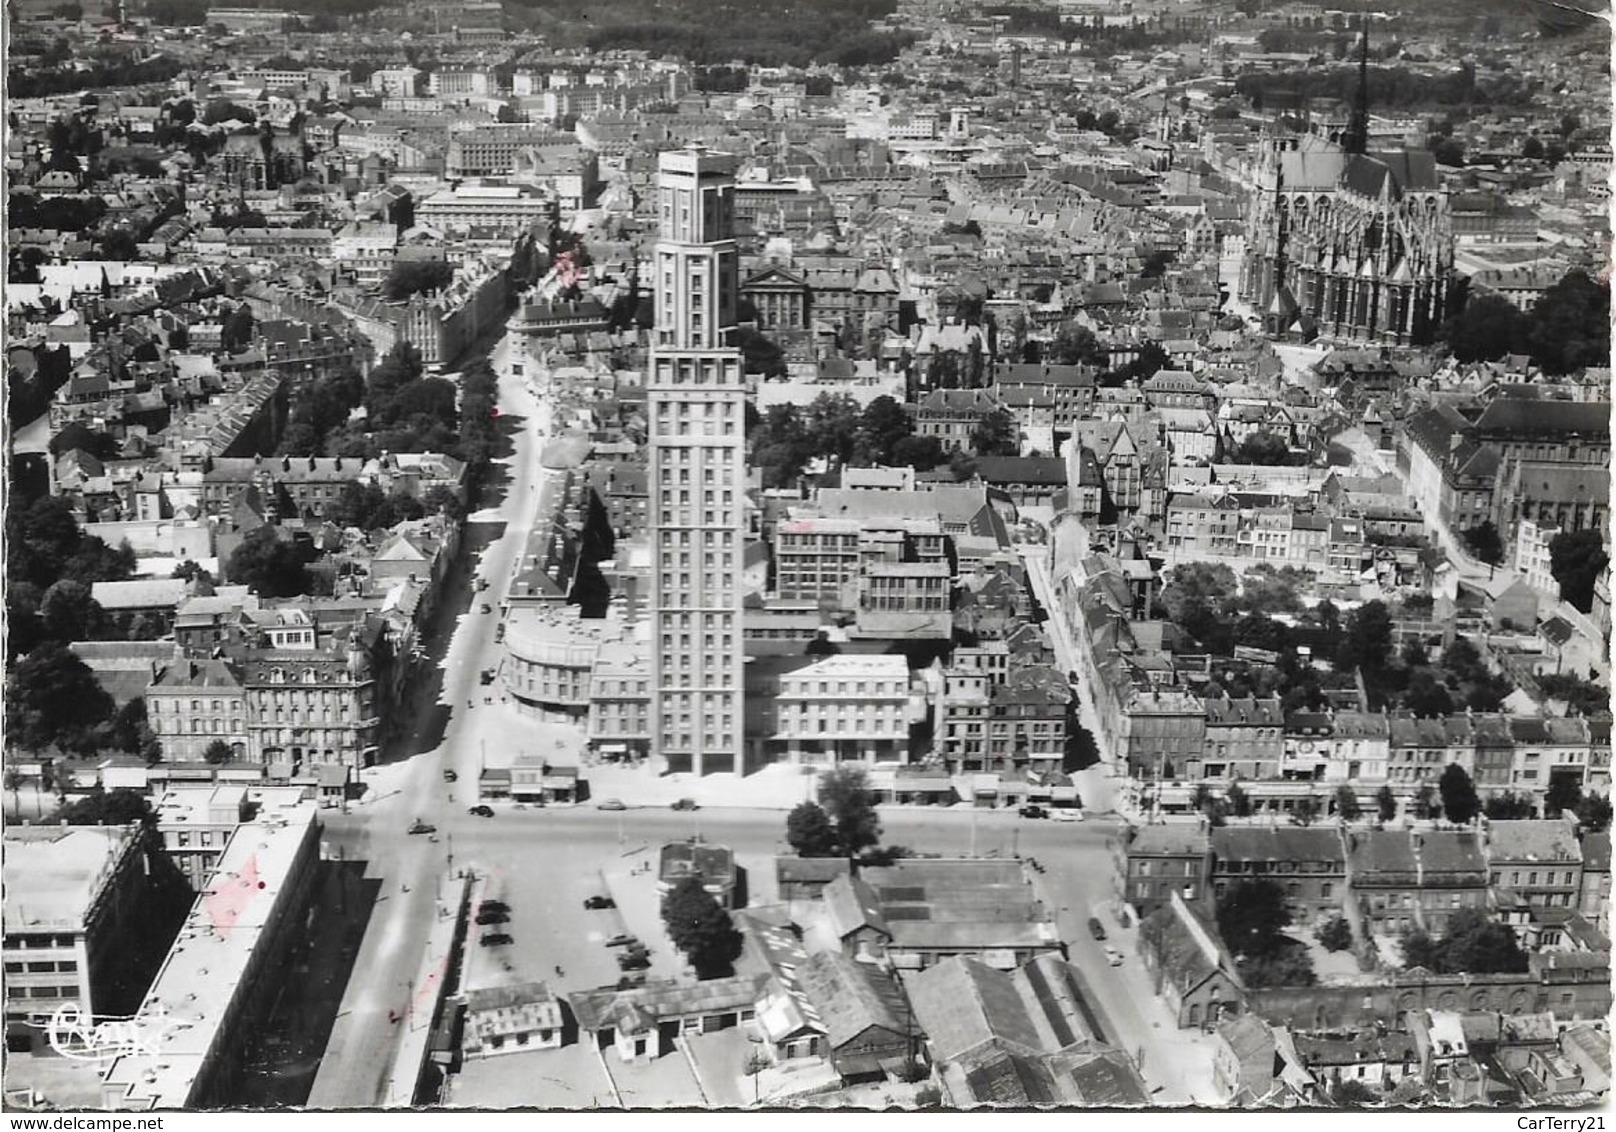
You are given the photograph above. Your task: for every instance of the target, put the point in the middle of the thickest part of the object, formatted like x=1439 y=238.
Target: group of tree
x=410 y=277
x=843 y=823
x=1267 y=448
x=271 y=564
x=126 y=71
x=838 y=32
x=1396 y=87
x=49 y=556
x=1252 y=916
x=53 y=701
x=320 y=407
x=787 y=437
x=1581 y=697
x=1567 y=329
x=405 y=411
x=1473 y=944
x=57 y=214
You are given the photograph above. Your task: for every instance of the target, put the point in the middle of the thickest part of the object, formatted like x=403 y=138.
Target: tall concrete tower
x=696 y=398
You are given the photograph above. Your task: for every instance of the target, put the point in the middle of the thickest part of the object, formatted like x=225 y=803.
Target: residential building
x=192 y=704
x=511 y=1018
x=1538 y=861
x=1245 y=739
x=1308 y=863
x=696 y=397
x=1151 y=862
x=828 y=709
x=74 y=896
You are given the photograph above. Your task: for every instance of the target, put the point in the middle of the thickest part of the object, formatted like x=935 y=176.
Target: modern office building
x=697 y=402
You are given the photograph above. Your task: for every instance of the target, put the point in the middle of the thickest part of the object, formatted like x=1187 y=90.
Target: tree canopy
x=1473 y=944
x=845 y=796
x=700 y=928
x=1570 y=325
x=1576 y=559
x=810 y=832
x=53 y=697
x=271 y=566
x=1252 y=916
x=1460 y=802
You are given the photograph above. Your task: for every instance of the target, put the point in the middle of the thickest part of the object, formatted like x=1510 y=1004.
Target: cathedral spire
x=1357 y=135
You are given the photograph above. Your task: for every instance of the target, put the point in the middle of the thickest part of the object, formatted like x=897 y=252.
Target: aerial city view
x=872 y=554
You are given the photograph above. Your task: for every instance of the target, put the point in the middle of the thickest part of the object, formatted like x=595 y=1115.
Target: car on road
x=1096 y=929
x=621 y=939
x=1066 y=815
x=499 y=632
x=485 y=608
x=633 y=962
x=482 y=811
x=1113 y=956
x=1033 y=812
x=492 y=917
x=482 y=584
x=486 y=676
x=596 y=903
x=450 y=775
x=610 y=804
x=496 y=939
x=685 y=804
x=419 y=826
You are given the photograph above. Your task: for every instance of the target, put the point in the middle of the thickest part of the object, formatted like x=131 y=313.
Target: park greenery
x=1473 y=944
x=1567 y=329
x=751 y=31
x=1252 y=916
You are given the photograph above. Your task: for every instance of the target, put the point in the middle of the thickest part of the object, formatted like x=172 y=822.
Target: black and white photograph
x=787 y=556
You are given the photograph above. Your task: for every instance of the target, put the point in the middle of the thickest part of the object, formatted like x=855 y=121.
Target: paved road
x=364 y=1039
x=1098 y=785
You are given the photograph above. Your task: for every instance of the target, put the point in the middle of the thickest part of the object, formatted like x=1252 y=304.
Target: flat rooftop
x=54 y=873
x=209 y=963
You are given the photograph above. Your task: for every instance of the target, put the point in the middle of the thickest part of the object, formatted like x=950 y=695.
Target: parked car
x=486 y=676
x=499 y=631
x=620 y=939
x=1033 y=812
x=685 y=804
x=633 y=962
x=1066 y=815
x=1096 y=929
x=610 y=804
x=595 y=903
x=492 y=917
x=449 y=775
x=1113 y=956
x=419 y=826
x=493 y=906
x=628 y=982
x=496 y=939
x=482 y=811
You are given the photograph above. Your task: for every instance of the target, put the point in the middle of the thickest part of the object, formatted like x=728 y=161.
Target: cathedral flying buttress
x=1352 y=246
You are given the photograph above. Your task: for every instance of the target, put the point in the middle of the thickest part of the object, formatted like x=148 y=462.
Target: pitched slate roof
x=963 y=1003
